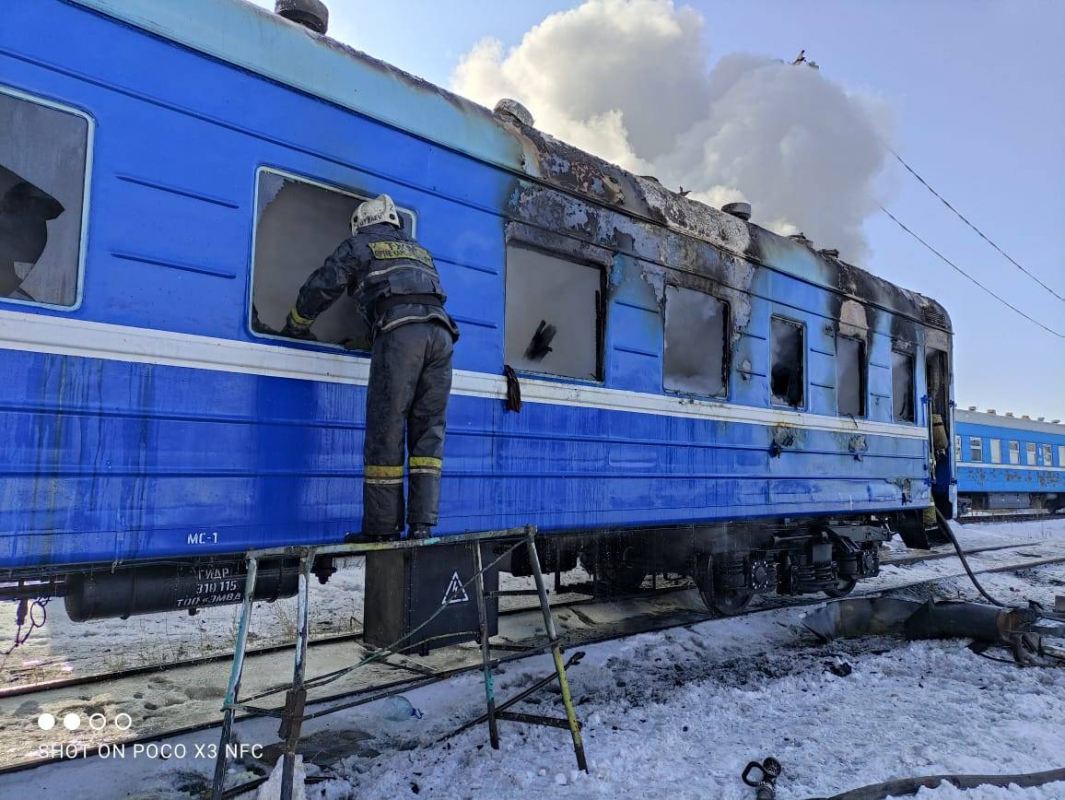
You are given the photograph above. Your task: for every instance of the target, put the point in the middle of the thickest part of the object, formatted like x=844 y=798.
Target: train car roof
x=255 y=39
x=1012 y=423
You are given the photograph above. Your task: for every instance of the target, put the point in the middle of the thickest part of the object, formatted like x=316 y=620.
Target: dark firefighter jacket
x=382 y=267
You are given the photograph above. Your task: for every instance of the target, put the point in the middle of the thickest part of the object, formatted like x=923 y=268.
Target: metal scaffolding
x=293 y=714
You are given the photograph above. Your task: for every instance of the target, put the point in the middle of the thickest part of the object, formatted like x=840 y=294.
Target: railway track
x=581 y=623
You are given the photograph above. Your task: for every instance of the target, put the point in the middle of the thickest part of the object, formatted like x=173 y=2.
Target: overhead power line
x=979 y=232
x=970 y=277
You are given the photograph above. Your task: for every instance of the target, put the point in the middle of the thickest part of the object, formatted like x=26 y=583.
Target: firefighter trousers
x=406 y=401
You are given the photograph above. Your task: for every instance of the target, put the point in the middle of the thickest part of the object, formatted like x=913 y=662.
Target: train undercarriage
x=730 y=563
x=1051 y=502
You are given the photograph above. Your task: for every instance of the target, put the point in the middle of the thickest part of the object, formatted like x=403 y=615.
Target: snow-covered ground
x=679 y=713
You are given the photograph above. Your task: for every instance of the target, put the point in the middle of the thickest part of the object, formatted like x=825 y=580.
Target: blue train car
x=741 y=404
x=1008 y=462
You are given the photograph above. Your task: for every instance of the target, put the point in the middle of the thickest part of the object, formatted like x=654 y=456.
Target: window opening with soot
x=44 y=154
x=696 y=343
x=299 y=224
x=850 y=376
x=554 y=315
x=787 y=374
x=902 y=390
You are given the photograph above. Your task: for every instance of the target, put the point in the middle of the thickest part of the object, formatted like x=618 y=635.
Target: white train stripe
x=40 y=333
x=1032 y=467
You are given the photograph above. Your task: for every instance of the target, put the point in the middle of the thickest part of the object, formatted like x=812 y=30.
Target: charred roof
x=262 y=42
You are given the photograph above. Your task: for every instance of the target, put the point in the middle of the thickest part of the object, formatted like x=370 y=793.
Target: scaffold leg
x=486 y=655
x=556 y=652
x=292 y=719
x=235 y=673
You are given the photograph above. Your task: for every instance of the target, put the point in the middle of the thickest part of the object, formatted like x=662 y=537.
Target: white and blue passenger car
x=1008 y=462
x=723 y=400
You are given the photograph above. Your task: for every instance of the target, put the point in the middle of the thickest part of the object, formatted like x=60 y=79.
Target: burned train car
x=702 y=395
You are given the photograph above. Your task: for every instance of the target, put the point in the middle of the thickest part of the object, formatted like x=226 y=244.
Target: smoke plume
x=627 y=80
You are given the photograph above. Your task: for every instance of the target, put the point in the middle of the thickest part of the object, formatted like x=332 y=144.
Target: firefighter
x=398 y=292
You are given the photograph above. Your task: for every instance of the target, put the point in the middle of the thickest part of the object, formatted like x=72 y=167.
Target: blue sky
x=977 y=90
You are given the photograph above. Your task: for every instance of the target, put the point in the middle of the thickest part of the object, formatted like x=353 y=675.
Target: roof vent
x=972 y=408
x=800 y=237
x=1042 y=419
x=1025 y=416
x=991 y=411
x=309 y=13
x=1055 y=421
x=933 y=317
x=1009 y=413
x=740 y=210
x=508 y=107
x=829 y=253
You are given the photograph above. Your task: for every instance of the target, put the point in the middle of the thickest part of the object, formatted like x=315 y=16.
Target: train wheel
x=726 y=602
x=729 y=604
x=842 y=588
x=616 y=571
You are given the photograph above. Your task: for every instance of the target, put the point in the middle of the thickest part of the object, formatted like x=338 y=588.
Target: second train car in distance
x=717 y=400
x=1009 y=463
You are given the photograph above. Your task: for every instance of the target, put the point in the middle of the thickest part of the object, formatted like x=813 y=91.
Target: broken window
x=43 y=163
x=554 y=315
x=1030 y=451
x=1048 y=458
x=902 y=386
x=1015 y=452
x=996 y=451
x=696 y=336
x=976 y=450
x=786 y=363
x=957 y=448
x=850 y=376
x=299 y=224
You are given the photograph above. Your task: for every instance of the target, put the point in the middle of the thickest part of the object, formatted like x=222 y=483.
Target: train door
x=940 y=428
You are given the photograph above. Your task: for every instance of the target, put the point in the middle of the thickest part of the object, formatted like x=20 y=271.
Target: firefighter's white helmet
x=372 y=212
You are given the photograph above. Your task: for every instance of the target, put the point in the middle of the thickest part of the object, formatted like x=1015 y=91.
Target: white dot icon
x=123 y=721
x=46 y=722
x=97 y=722
x=72 y=721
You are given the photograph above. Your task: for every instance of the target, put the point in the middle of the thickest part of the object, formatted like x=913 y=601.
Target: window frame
x=86 y=197
x=957 y=447
x=1014 y=452
x=995 y=451
x=1030 y=451
x=1061 y=455
x=256 y=215
x=726 y=345
x=1048 y=454
x=804 y=365
x=913 y=386
x=976 y=450
x=600 y=311
x=863 y=377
